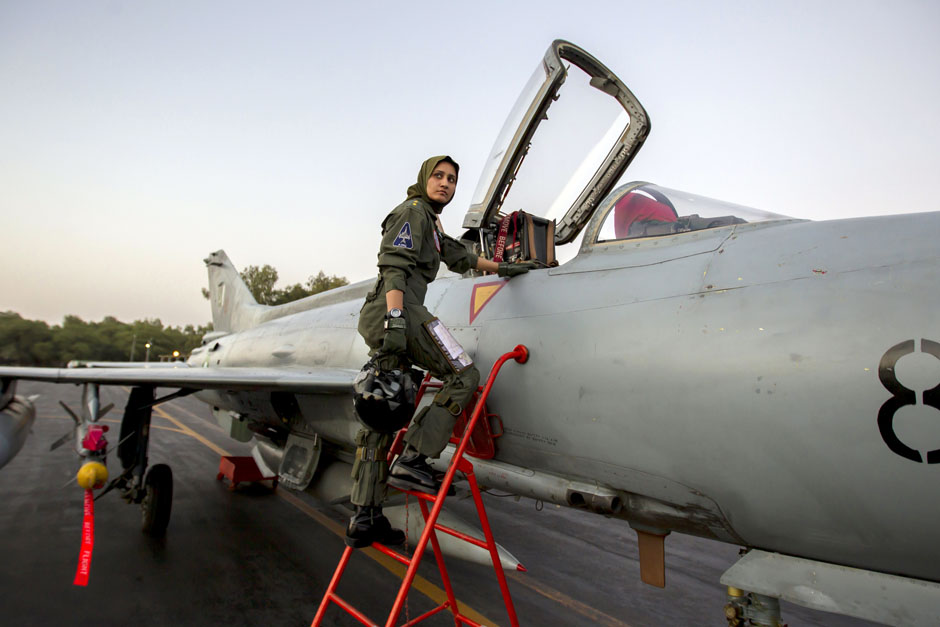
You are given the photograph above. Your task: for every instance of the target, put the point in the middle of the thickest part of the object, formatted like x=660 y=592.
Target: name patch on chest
x=403 y=239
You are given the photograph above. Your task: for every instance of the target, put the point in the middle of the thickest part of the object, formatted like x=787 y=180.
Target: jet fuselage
x=722 y=382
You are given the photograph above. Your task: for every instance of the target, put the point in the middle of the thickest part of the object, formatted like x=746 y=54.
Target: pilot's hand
x=396 y=339
x=509 y=270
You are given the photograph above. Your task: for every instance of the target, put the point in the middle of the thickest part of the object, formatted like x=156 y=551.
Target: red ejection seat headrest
x=640 y=205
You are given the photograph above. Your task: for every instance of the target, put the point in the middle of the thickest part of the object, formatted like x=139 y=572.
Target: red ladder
x=458 y=462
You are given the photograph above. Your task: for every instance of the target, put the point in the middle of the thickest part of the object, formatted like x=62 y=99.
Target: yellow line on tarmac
x=437 y=595
x=211 y=425
x=186 y=430
x=162 y=428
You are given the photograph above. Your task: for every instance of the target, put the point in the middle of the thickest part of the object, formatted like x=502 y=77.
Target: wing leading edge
x=297 y=380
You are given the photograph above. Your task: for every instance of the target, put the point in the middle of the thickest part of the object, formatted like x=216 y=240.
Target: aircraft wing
x=299 y=380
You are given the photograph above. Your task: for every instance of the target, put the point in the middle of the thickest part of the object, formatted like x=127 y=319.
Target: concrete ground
x=257 y=557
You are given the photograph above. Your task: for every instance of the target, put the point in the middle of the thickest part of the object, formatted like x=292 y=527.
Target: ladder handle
x=521 y=354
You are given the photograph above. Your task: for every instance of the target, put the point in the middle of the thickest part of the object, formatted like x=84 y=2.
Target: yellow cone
x=92 y=475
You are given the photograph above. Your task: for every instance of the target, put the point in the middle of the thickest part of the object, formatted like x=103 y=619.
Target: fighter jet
x=695 y=366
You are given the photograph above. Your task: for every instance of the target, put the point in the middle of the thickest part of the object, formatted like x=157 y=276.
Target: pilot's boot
x=368 y=525
x=412 y=472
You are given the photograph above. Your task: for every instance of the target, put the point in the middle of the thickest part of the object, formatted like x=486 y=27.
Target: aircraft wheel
x=158 y=500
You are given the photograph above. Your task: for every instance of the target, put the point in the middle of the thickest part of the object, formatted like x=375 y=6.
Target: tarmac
x=256 y=556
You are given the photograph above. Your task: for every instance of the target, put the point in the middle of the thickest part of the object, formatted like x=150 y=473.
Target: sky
x=135 y=138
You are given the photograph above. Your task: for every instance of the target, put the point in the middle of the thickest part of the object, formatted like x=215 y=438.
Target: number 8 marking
x=902 y=397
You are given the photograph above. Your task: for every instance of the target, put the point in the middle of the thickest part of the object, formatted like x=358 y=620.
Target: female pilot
x=400 y=331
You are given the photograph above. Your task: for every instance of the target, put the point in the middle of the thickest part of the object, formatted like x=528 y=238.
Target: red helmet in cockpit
x=640 y=205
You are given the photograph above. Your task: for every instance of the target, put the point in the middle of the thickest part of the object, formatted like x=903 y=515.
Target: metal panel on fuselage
x=763 y=398
x=656 y=371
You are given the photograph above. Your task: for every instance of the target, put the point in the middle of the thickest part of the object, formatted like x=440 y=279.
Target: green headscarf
x=420 y=189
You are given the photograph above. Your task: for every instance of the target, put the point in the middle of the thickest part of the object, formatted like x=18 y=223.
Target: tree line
x=36 y=343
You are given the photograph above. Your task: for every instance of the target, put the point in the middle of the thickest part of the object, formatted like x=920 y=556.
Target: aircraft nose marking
x=902 y=396
x=931 y=397
x=481 y=295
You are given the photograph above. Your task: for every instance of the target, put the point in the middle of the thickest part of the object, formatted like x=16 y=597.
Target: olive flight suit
x=409 y=258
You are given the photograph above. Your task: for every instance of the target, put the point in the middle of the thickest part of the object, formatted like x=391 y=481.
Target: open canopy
x=592 y=133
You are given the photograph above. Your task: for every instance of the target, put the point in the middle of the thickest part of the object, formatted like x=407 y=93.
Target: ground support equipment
x=431 y=526
x=240 y=470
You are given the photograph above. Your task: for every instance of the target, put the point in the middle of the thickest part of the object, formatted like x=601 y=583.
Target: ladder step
x=398 y=557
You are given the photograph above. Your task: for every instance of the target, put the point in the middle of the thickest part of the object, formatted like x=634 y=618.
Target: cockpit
x=577 y=127
x=637 y=210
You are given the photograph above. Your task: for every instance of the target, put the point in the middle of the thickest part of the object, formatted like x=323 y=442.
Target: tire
x=158 y=500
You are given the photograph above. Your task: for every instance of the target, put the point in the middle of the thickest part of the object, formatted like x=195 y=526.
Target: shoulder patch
x=403 y=239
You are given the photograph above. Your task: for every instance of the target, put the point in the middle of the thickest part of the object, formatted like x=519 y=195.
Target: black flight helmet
x=384 y=400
